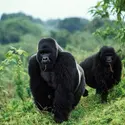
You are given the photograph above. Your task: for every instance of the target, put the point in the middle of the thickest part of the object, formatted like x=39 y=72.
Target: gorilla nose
x=45 y=59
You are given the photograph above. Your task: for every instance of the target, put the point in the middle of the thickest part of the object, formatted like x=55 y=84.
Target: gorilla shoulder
x=67 y=58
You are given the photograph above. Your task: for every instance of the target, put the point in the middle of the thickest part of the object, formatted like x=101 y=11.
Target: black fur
x=58 y=86
x=101 y=75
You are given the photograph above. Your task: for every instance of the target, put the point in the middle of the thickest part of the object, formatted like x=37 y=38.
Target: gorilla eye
x=44 y=52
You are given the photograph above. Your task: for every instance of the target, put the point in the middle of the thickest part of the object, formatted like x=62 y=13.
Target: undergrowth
x=17 y=107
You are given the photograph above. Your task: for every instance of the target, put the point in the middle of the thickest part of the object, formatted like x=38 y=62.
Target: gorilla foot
x=59 y=120
x=104 y=97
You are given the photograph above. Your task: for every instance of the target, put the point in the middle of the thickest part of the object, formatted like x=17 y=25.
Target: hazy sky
x=46 y=9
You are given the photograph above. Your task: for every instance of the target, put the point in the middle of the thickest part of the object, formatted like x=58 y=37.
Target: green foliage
x=95 y=24
x=107 y=8
x=52 y=24
x=15 y=58
x=72 y=24
x=61 y=36
x=111 y=8
x=22 y=26
x=7 y=36
x=5 y=16
x=11 y=29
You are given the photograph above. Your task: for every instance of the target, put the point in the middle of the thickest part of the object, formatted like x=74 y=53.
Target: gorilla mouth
x=109 y=61
x=47 y=67
x=110 y=66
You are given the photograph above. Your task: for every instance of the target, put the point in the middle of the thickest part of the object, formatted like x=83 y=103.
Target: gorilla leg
x=44 y=100
x=104 y=96
x=62 y=106
x=103 y=93
x=42 y=93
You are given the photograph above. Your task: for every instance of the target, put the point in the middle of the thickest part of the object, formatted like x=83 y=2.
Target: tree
x=112 y=9
x=72 y=24
x=13 y=26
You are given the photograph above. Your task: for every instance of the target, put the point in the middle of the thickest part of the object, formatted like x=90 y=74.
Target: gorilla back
x=102 y=71
x=56 y=81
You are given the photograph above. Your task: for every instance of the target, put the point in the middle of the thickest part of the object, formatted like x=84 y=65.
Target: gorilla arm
x=38 y=85
x=101 y=86
x=64 y=97
x=117 y=70
x=34 y=73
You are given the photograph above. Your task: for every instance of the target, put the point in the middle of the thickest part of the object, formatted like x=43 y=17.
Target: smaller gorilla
x=57 y=82
x=102 y=71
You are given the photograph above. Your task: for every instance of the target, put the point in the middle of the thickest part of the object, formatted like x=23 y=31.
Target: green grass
x=14 y=111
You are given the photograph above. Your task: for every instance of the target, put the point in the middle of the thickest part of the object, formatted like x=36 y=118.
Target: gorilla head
x=47 y=53
x=107 y=55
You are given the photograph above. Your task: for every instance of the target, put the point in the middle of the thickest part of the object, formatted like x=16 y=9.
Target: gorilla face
x=107 y=55
x=47 y=54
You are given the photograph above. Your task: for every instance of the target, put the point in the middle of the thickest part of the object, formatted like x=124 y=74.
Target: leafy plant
x=14 y=60
x=111 y=9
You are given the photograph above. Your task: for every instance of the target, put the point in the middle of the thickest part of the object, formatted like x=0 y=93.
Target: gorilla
x=102 y=71
x=57 y=82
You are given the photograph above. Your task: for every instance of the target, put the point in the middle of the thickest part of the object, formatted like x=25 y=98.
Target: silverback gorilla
x=102 y=71
x=56 y=81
